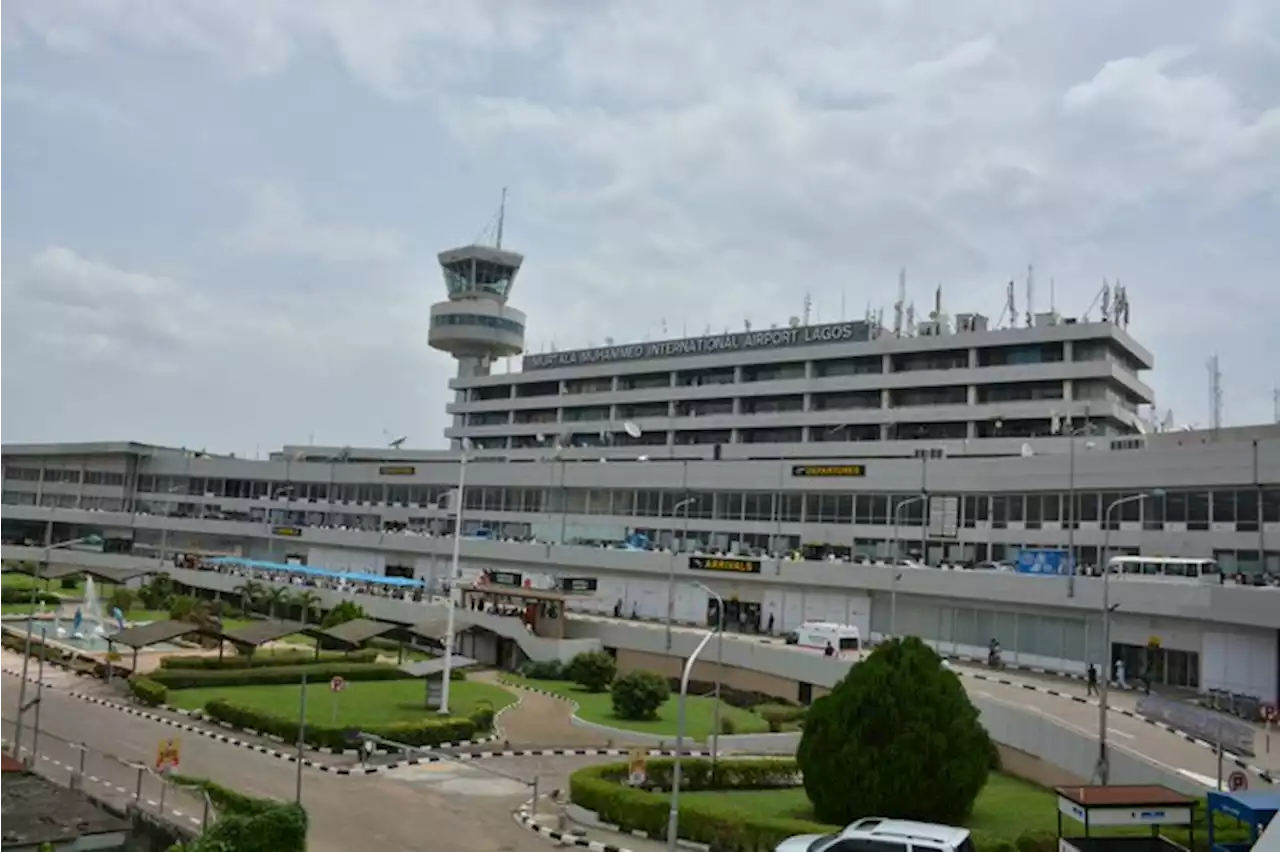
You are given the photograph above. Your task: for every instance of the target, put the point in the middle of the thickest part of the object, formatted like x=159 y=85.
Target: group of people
x=1118 y=672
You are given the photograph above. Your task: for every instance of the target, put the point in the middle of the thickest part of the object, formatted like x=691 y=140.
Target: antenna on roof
x=808 y=307
x=1215 y=393
x=1031 y=295
x=502 y=216
x=397 y=443
x=901 y=303
x=746 y=324
x=1053 y=297
x=1275 y=404
x=842 y=315
x=1106 y=301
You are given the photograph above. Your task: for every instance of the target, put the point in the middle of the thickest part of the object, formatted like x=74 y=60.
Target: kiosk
x=1122 y=806
x=1255 y=810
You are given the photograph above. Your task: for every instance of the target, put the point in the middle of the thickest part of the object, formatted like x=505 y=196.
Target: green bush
x=19 y=595
x=70 y=581
x=543 y=670
x=122 y=597
x=727 y=726
x=148 y=691
x=639 y=694
x=341 y=614
x=779 y=716
x=267 y=675
x=482 y=716
x=226 y=800
x=592 y=670
x=874 y=744
x=246 y=823
x=291 y=658
x=425 y=732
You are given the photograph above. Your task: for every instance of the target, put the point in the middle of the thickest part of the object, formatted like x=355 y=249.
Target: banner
x=1044 y=561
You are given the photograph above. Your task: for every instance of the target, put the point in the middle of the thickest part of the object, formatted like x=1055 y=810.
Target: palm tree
x=275 y=596
x=306 y=602
x=250 y=592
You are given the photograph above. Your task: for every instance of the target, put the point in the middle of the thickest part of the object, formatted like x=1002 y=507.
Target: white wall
x=792 y=608
x=347 y=559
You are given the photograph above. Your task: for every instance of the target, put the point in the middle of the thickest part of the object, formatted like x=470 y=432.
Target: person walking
x=1120 y=681
x=1091 y=677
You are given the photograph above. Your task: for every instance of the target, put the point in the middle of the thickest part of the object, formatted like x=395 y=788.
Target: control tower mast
x=476 y=325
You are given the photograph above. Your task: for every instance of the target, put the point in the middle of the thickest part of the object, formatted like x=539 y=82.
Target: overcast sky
x=221 y=218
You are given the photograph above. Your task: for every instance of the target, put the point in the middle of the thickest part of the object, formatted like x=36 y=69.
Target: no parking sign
x=1237 y=782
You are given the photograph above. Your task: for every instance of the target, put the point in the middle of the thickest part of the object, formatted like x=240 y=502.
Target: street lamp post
x=673 y=815
x=893 y=556
x=1103 y=770
x=454 y=592
x=715 y=721
x=682 y=506
x=26 y=646
x=1086 y=429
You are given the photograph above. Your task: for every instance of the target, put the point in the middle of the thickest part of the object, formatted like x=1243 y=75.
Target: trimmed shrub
x=19 y=595
x=425 y=732
x=543 y=670
x=482 y=716
x=874 y=744
x=639 y=694
x=225 y=799
x=271 y=675
x=298 y=658
x=592 y=670
x=779 y=716
x=148 y=691
x=247 y=823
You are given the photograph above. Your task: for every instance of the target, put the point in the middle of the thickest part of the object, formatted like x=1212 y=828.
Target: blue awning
x=313 y=571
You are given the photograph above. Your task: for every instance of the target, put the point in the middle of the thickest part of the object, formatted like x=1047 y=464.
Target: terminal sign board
x=1044 y=561
x=724 y=563
x=397 y=470
x=288 y=532
x=829 y=470
x=505 y=578
x=579 y=585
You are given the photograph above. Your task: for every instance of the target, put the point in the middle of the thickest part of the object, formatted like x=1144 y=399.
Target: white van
x=874 y=834
x=845 y=638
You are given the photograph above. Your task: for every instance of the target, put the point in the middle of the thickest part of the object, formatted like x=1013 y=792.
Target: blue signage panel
x=1043 y=561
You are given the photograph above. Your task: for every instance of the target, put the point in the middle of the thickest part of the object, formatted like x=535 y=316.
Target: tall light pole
x=454 y=591
x=26 y=646
x=893 y=555
x=1103 y=769
x=673 y=815
x=715 y=721
x=1072 y=434
x=682 y=506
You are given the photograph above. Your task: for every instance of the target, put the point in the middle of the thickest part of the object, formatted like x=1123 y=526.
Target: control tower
x=476 y=325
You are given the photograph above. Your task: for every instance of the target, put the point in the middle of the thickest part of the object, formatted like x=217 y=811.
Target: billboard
x=1048 y=561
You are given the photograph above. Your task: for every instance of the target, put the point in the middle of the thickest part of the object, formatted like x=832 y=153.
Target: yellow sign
x=168 y=755
x=113 y=656
x=291 y=532
x=1153 y=641
x=636 y=774
x=724 y=563
x=829 y=470
x=397 y=470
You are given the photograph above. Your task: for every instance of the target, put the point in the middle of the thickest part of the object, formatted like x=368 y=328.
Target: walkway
x=540 y=720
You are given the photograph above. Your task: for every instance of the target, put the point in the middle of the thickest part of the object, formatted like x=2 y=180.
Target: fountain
x=89 y=618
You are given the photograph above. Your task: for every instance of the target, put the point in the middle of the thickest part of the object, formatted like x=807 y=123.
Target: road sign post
x=168 y=755
x=336 y=685
x=1238 y=782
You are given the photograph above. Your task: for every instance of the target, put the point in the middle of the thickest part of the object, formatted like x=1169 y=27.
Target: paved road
x=452 y=809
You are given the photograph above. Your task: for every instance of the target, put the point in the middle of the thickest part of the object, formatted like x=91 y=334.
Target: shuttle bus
x=1165 y=568
x=816 y=635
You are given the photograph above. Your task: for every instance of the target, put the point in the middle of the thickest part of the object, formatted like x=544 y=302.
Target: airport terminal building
x=777 y=468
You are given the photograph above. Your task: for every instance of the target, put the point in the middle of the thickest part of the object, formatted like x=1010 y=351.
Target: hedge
x=247 y=823
x=18 y=595
x=426 y=732
x=225 y=799
x=602 y=789
x=275 y=675
x=291 y=658
x=148 y=691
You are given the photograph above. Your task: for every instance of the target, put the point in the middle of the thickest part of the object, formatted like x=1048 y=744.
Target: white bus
x=816 y=635
x=1166 y=568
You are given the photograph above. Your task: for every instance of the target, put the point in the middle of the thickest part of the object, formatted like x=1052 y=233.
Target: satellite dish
x=398 y=442
x=632 y=429
x=794 y=322
x=1027 y=452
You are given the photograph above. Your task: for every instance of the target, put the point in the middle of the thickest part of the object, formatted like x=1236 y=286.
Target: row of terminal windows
x=953 y=359
x=500 y=323
x=1198 y=509
x=63 y=475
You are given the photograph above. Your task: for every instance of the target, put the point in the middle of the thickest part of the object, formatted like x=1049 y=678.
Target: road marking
x=177 y=813
x=94 y=779
x=1118 y=733
x=153 y=803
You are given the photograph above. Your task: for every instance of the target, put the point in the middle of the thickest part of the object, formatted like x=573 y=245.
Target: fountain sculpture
x=88 y=619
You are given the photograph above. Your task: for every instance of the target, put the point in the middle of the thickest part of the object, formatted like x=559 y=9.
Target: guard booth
x=1254 y=810
x=1097 y=810
x=542 y=611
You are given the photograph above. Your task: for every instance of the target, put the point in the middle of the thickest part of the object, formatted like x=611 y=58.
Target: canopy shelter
x=1254 y=809
x=137 y=638
x=1125 y=806
x=352 y=634
x=432 y=673
x=314 y=571
x=249 y=636
x=43 y=571
x=542 y=610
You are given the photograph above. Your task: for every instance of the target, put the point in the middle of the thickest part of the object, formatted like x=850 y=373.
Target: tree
x=341 y=614
x=897 y=737
x=275 y=597
x=250 y=592
x=122 y=598
x=593 y=670
x=306 y=601
x=157 y=593
x=639 y=694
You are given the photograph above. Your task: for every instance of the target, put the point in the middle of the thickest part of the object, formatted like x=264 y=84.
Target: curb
x=524 y=818
x=1228 y=757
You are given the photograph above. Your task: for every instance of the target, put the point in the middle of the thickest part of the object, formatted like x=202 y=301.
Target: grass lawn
x=131 y=615
x=365 y=702
x=699 y=712
x=14 y=580
x=1006 y=807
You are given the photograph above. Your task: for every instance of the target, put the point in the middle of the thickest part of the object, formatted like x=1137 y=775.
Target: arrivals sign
x=740 y=341
x=397 y=470
x=724 y=563
x=288 y=532
x=830 y=470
